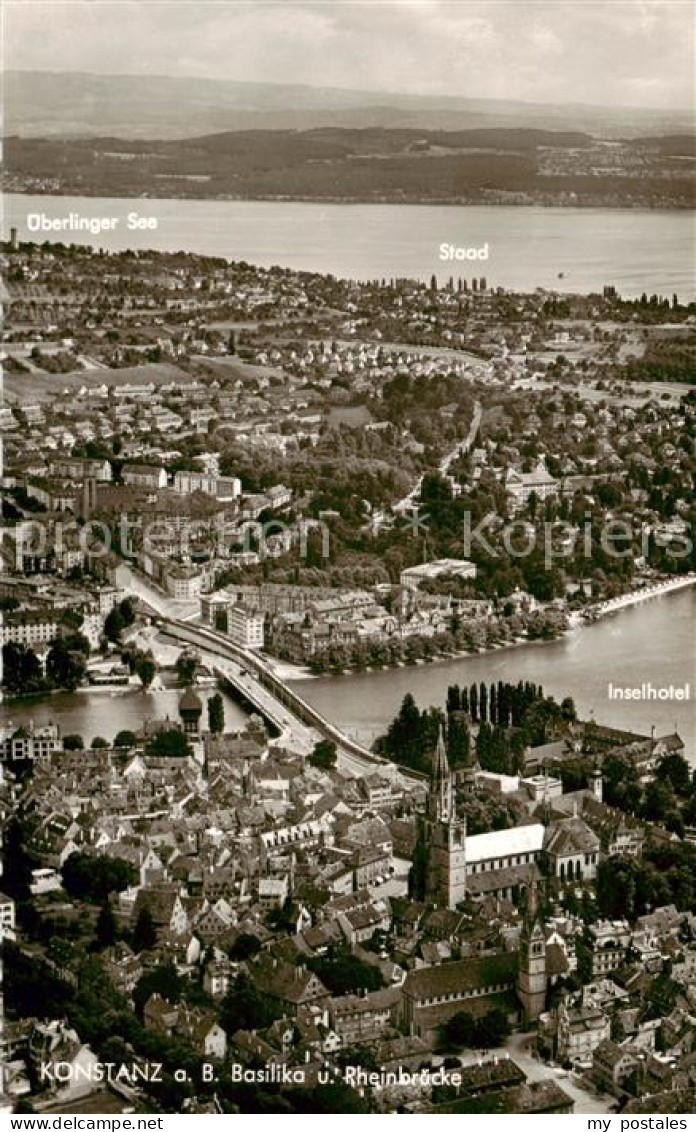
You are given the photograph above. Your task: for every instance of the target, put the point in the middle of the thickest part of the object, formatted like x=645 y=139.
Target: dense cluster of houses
x=244 y=840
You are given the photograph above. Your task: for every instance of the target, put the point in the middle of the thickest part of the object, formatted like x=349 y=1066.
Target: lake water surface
x=635 y=249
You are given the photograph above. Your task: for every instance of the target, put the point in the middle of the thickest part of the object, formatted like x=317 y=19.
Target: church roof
x=570 y=835
x=496 y=880
x=504 y=843
x=462 y=975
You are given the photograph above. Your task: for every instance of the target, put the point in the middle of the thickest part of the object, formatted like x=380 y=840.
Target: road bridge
x=281 y=703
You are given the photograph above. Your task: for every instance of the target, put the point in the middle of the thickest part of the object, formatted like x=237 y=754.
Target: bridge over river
x=256 y=682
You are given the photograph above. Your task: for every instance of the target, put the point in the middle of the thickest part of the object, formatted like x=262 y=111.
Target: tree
x=345 y=973
x=473 y=703
x=145 y=669
x=568 y=709
x=17 y=861
x=169 y=744
x=65 y=668
x=125 y=739
x=32 y=989
x=73 y=743
x=621 y=782
x=492 y=1029
x=99 y=743
x=324 y=755
x=616 y=887
x=144 y=932
x=88 y=877
x=163 y=980
x=243 y=1008
x=244 y=946
x=21 y=669
x=459 y=1031
x=361 y=1056
x=106 y=928
x=458 y=739
x=127 y=610
x=216 y=714
x=454 y=698
x=618 y=1032
x=483 y=702
x=114 y=625
x=409 y=739
x=673 y=769
x=658 y=800
x=24 y=1107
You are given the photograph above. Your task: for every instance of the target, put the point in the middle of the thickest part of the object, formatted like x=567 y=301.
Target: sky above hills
x=617 y=53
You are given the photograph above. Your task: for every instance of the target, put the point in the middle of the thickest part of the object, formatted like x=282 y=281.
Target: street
x=519 y=1049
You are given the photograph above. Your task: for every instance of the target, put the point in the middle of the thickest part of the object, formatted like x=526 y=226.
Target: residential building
x=608 y=942
x=246 y=627
x=144 y=475
x=29 y=743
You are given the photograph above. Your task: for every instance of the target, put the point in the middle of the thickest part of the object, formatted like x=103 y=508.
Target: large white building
x=144 y=475
x=245 y=626
x=504 y=848
x=30 y=627
x=521 y=485
x=221 y=487
x=412 y=577
x=79 y=468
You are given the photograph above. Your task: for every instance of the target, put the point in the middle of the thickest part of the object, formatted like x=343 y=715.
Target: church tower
x=190 y=710
x=597 y=784
x=531 y=976
x=443 y=836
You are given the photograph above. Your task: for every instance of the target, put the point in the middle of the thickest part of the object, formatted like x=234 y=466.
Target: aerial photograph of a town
x=347 y=736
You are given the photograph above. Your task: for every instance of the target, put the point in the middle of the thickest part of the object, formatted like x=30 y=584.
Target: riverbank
x=650 y=640
x=635 y=597
x=295 y=673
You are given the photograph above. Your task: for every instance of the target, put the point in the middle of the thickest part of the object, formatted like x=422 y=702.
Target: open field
x=23 y=387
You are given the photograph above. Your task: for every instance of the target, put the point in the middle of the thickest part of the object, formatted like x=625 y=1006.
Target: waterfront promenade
x=645 y=593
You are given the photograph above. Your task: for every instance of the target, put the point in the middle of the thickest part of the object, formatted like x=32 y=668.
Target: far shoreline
x=339 y=202
x=293 y=673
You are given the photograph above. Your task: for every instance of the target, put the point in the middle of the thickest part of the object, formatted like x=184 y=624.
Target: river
x=651 y=642
x=98 y=712
x=647 y=643
x=528 y=247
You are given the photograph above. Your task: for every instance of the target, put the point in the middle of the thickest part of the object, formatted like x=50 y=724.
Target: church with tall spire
x=442 y=837
x=531 y=974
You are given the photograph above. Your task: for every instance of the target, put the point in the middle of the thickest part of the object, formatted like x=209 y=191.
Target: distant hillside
x=46 y=104
x=486 y=166
x=676 y=145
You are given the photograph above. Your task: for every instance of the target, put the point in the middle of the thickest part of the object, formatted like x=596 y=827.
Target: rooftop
x=505 y=843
